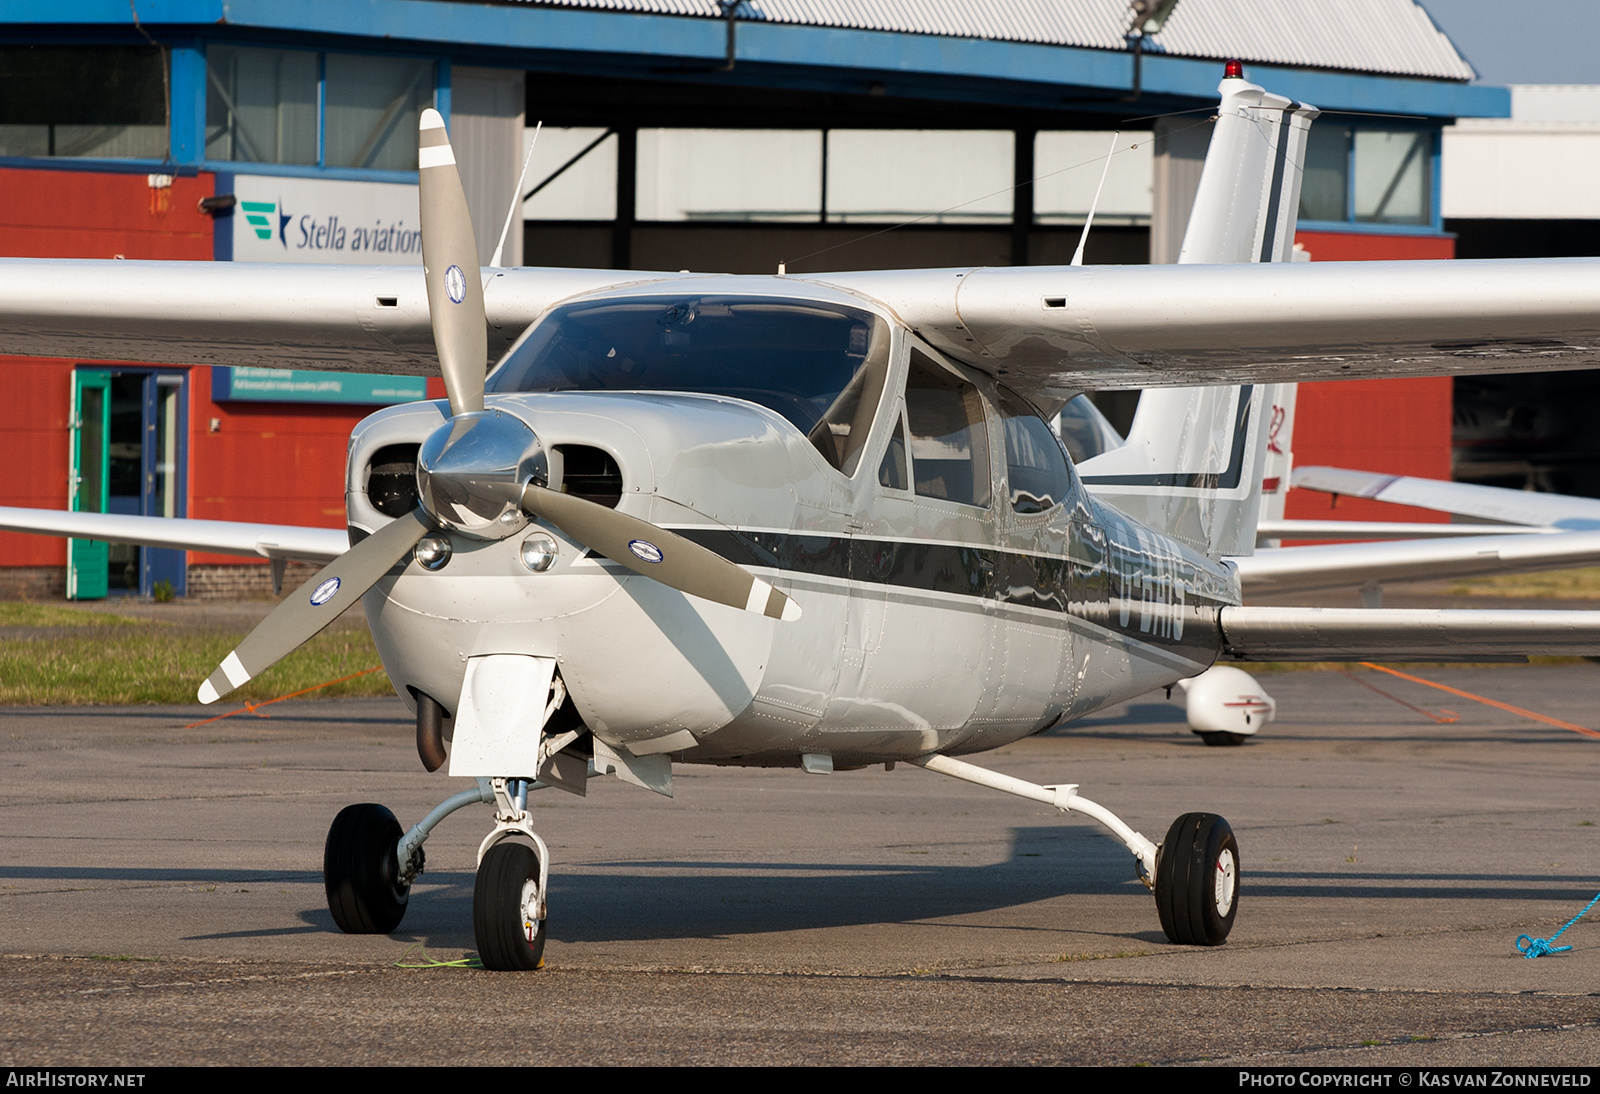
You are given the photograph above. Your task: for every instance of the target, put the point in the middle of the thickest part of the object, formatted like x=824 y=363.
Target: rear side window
x=1036 y=467
x=949 y=440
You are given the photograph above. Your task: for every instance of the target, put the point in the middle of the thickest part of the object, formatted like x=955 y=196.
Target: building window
x=1368 y=175
x=261 y=105
x=1393 y=175
x=315 y=109
x=83 y=101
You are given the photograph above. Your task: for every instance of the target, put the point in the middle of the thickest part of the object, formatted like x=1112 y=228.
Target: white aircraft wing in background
x=1348 y=565
x=1492 y=503
x=1386 y=529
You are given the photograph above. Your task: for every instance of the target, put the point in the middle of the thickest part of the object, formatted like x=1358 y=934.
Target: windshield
x=820 y=365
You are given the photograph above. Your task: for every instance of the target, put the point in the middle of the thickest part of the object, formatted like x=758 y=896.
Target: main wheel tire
x=1197 y=880
x=505 y=912
x=360 y=872
x=1221 y=738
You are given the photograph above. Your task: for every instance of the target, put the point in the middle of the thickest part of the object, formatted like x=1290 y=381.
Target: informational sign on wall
x=281 y=219
x=281 y=385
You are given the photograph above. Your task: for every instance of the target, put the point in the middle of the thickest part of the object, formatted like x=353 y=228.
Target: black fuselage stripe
x=1137 y=601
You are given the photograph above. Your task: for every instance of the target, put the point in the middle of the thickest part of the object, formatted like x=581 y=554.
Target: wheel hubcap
x=530 y=910
x=1226 y=881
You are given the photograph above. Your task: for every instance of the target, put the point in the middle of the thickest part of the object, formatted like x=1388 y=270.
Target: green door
x=88 y=560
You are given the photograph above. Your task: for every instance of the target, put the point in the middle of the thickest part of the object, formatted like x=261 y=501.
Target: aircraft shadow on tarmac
x=636 y=901
x=644 y=900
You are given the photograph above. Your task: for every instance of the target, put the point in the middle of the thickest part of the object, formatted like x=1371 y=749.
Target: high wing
x=1050 y=332
x=1366 y=634
x=1463 y=499
x=223 y=537
x=337 y=318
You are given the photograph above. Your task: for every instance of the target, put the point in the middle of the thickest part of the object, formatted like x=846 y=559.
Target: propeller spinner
x=482 y=473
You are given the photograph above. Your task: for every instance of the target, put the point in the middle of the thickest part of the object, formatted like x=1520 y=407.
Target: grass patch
x=1582 y=584
x=19 y=613
x=108 y=665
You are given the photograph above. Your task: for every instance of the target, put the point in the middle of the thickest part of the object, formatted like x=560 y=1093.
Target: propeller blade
x=322 y=599
x=657 y=553
x=450 y=264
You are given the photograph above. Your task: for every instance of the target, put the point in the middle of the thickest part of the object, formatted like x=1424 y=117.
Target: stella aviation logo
x=259 y=215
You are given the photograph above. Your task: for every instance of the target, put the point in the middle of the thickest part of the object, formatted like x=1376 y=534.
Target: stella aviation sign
x=280 y=219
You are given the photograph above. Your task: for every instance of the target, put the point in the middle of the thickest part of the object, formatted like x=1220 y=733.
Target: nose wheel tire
x=1222 y=738
x=505 y=909
x=359 y=870
x=1197 y=880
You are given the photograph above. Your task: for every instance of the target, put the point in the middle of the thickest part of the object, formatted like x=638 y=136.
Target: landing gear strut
x=1194 y=873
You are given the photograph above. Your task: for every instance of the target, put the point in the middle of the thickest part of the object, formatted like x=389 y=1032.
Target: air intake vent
x=392 y=479
x=590 y=473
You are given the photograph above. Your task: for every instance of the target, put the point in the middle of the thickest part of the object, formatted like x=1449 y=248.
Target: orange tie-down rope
x=253 y=707
x=1545 y=718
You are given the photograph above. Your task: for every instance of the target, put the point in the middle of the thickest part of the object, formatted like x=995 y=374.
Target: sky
x=1524 y=41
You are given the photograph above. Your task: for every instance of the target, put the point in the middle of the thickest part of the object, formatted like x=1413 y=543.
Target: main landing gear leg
x=1194 y=873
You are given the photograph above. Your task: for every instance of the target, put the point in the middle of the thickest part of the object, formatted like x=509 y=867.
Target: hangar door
x=128 y=456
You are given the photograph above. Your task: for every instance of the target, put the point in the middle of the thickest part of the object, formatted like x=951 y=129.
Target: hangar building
x=706 y=134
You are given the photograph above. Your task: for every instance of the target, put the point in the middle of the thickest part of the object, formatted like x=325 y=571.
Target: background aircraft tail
x=1195 y=457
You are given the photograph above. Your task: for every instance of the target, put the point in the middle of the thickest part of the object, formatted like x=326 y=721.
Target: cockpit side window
x=949 y=440
x=841 y=433
x=892 y=472
x=1037 y=472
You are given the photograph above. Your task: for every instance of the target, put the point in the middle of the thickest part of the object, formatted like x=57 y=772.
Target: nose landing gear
x=368 y=865
x=507 y=917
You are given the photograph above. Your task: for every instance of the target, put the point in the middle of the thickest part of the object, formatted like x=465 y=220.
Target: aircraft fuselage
x=930 y=624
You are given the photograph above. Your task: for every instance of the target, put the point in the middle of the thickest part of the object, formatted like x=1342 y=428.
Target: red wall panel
x=1401 y=427
x=274 y=463
x=74 y=214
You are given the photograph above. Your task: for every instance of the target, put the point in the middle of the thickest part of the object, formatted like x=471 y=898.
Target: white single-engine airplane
x=816 y=522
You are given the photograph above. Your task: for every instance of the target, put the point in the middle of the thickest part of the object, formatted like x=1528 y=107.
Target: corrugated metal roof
x=1391 y=37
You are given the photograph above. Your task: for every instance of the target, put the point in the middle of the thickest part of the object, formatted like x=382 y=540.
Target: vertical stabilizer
x=1195 y=457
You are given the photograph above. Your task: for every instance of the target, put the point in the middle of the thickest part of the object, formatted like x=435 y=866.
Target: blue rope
x=1538 y=947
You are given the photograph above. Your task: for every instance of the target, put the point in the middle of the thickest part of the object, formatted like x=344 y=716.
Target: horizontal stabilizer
x=1351 y=565
x=1385 y=529
x=1463 y=499
x=1395 y=634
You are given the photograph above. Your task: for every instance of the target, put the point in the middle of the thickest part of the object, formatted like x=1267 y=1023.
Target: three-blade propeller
x=479 y=474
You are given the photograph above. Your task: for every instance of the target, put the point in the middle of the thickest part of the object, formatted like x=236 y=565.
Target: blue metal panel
x=222 y=226
x=1373 y=228
x=1005 y=73
x=188 y=75
x=291 y=170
